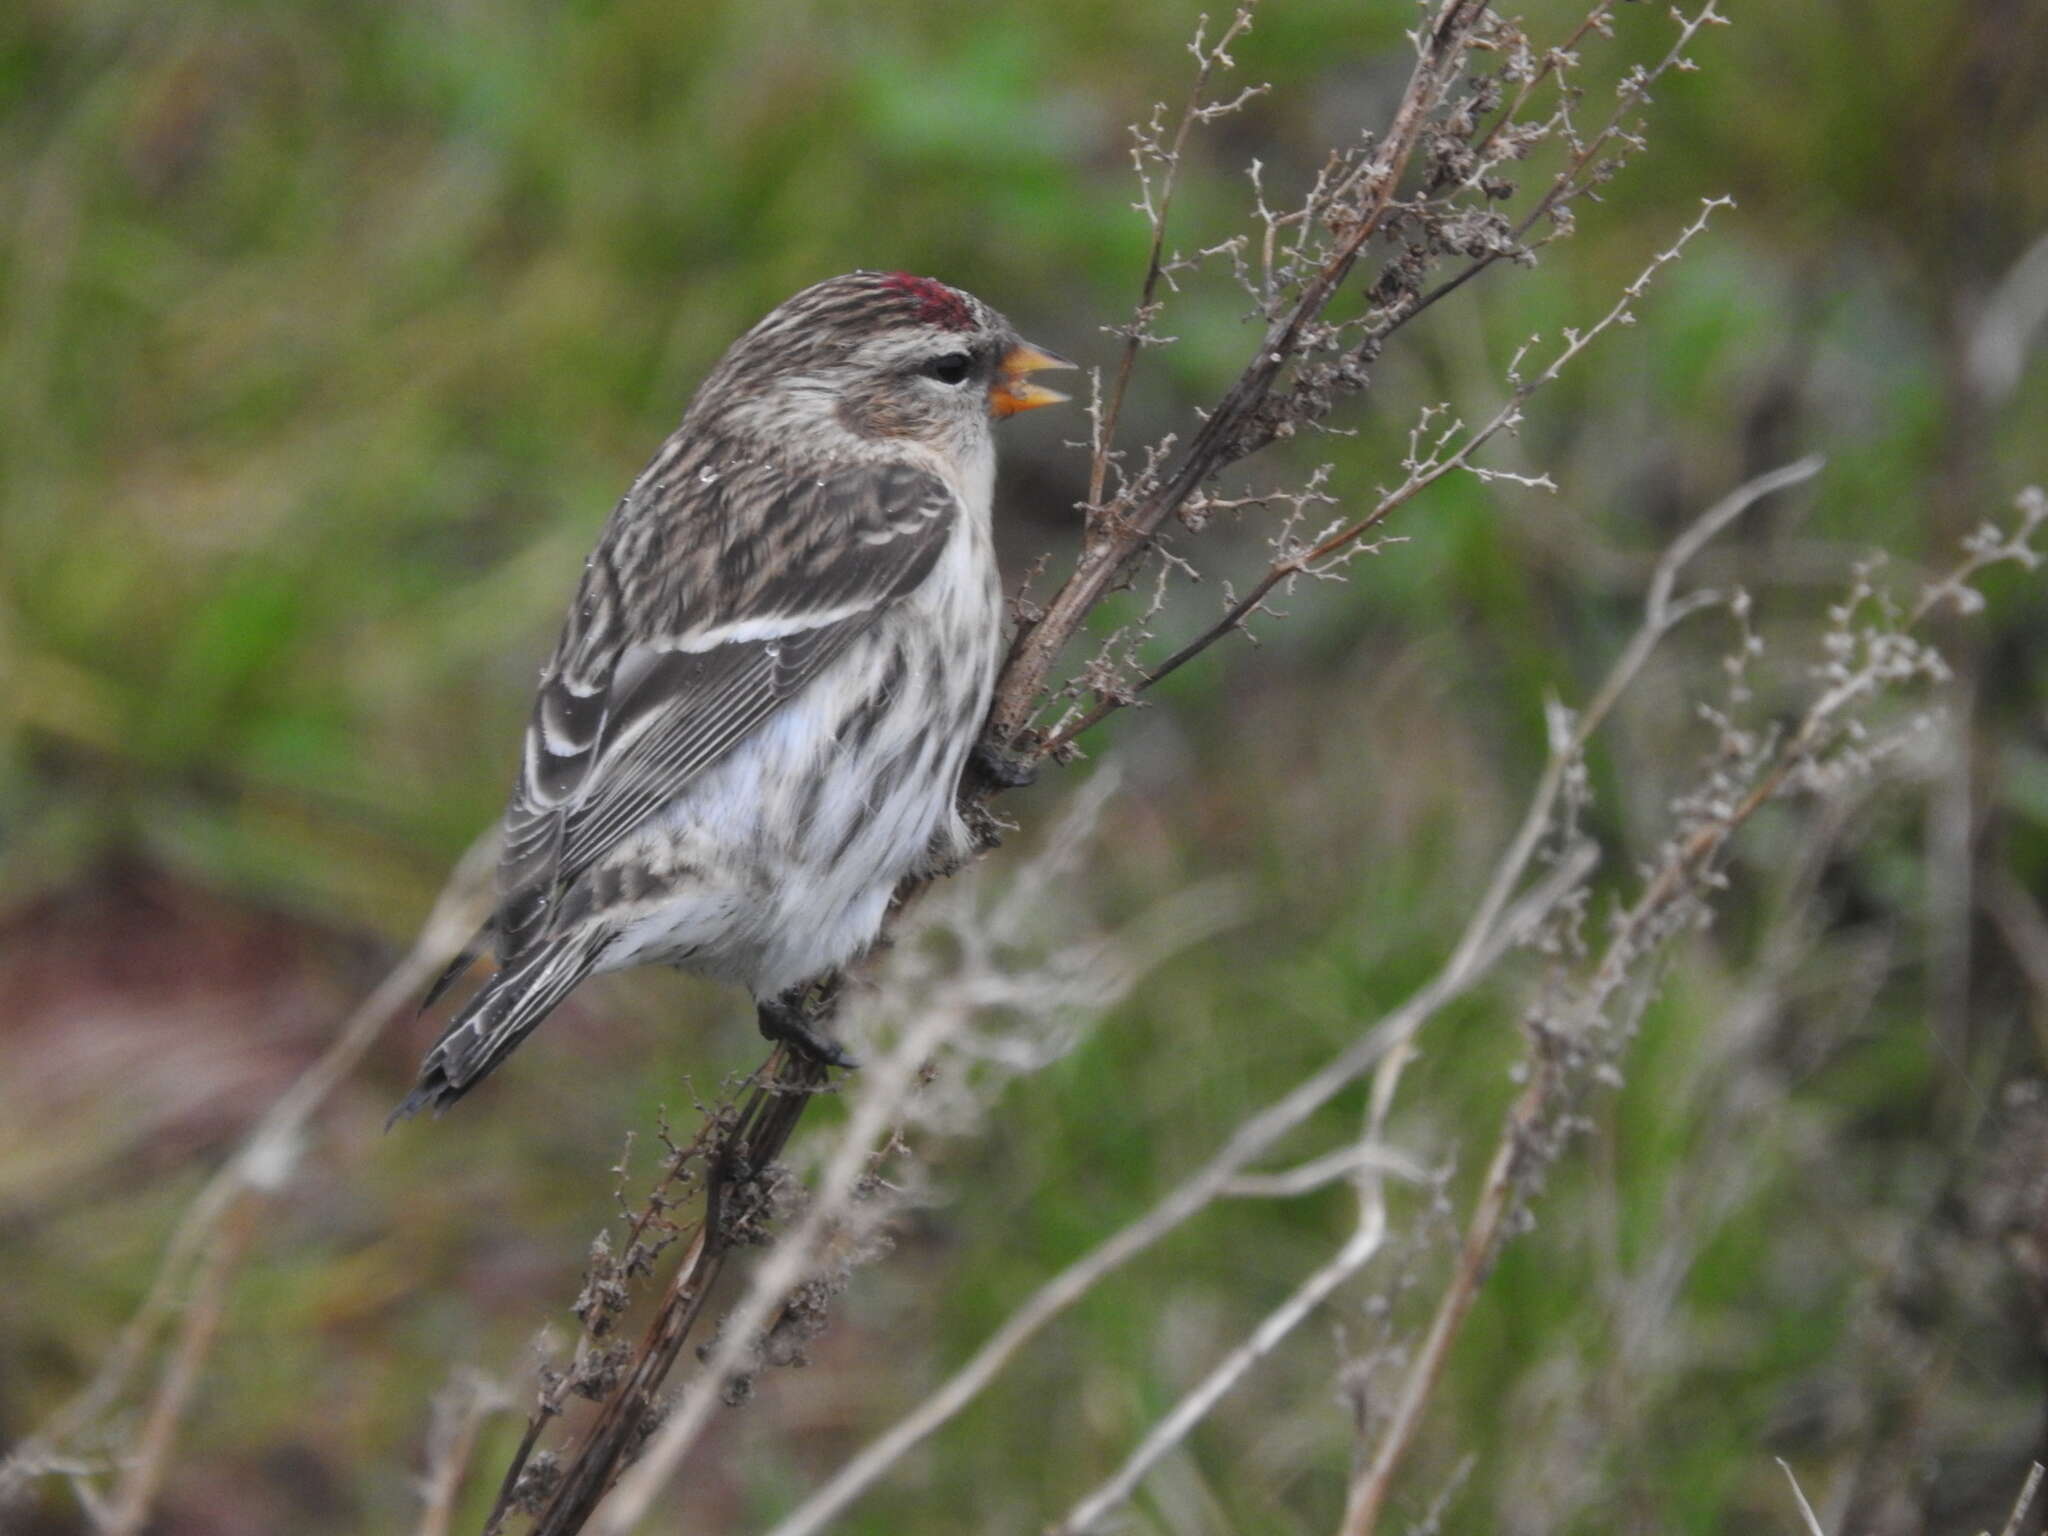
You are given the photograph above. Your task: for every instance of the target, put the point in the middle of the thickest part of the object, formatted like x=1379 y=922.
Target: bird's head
x=883 y=355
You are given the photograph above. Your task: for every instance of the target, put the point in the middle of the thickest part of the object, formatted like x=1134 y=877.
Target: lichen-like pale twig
x=2025 y=1500
x=1318 y=1173
x=459 y=1414
x=1806 y=1514
x=1348 y=1260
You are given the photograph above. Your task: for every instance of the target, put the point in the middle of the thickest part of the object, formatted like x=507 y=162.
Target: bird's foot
x=1002 y=766
x=786 y=1021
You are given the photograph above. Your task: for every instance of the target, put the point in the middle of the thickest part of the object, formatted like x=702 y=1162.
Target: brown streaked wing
x=656 y=680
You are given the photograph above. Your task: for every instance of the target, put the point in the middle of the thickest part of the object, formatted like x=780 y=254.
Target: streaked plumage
x=776 y=664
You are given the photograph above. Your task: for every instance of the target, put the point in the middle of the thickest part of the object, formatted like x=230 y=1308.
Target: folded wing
x=699 y=615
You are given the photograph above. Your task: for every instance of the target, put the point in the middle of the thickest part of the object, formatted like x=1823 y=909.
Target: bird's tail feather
x=505 y=1010
x=478 y=941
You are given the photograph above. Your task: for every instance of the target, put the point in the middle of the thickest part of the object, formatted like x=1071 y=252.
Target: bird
x=771 y=677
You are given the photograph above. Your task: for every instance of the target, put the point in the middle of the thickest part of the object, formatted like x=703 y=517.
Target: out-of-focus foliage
x=329 y=333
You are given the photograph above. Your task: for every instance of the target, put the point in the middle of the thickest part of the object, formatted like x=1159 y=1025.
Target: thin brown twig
x=1120 y=533
x=648 y=1232
x=885 y=1084
x=1110 y=552
x=782 y=1089
x=1497 y=1197
x=1134 y=336
x=1422 y=475
x=1565 y=187
x=1553 y=64
x=1475 y=1259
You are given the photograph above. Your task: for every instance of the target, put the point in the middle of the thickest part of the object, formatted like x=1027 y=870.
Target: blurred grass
x=327 y=337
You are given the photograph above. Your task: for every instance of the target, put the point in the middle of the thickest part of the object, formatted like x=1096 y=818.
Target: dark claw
x=787 y=1023
x=1003 y=767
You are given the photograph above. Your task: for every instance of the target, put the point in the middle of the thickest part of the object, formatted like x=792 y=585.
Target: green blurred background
x=330 y=332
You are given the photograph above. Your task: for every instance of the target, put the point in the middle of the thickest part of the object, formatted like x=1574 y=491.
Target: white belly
x=777 y=864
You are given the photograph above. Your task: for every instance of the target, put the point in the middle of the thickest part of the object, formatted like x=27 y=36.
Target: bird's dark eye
x=950 y=369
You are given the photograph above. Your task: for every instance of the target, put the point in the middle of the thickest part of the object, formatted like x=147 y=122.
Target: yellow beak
x=1012 y=391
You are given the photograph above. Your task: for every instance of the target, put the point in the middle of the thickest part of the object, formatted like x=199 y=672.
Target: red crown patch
x=936 y=303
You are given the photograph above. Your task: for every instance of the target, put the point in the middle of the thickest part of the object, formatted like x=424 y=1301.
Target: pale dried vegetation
x=1491 y=154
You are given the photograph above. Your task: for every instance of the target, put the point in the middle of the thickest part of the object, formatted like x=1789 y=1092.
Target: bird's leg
x=787 y=1021
x=1004 y=766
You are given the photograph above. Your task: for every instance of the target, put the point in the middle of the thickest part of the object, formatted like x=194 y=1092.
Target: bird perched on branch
x=771 y=677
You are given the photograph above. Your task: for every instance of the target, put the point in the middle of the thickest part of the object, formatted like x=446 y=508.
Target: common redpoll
x=778 y=660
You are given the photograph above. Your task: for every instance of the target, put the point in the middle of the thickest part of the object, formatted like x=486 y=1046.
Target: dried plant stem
x=1662 y=612
x=2025 y=1500
x=1567 y=184
x=1807 y=1517
x=1356 y=1253
x=459 y=1415
x=1504 y=1184
x=199 y=1323
x=1206 y=60
x=1425 y=469
x=1501 y=1190
x=1117 y=538
x=782 y=1089
x=212 y=1235
x=1683 y=870
x=1497 y=1196
x=1250 y=1140
x=885 y=1086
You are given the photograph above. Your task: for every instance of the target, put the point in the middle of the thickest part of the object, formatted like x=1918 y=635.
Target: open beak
x=1013 y=390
